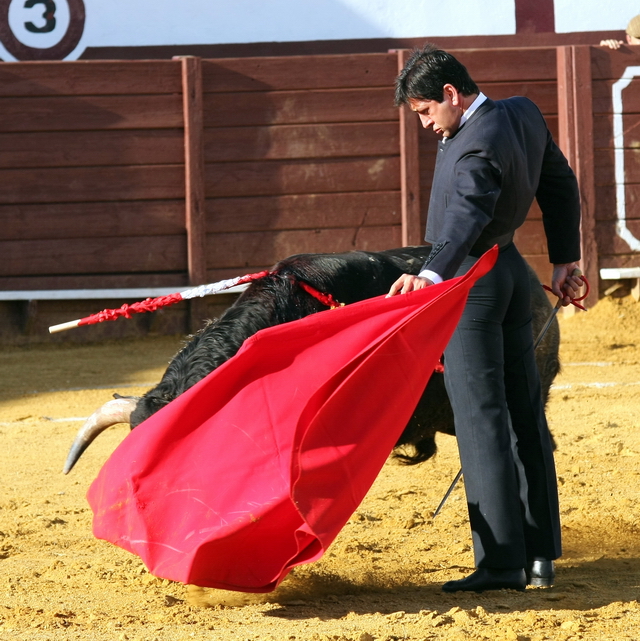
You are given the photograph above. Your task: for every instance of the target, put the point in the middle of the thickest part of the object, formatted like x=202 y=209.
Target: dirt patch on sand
x=381 y=578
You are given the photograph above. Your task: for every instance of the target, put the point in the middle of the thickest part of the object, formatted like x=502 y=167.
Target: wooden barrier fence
x=170 y=173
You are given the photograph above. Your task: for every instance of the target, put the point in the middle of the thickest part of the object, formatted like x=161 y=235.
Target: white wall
x=589 y=15
x=114 y=23
x=127 y=22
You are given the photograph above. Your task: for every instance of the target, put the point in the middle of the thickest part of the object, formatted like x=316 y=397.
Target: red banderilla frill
x=153 y=304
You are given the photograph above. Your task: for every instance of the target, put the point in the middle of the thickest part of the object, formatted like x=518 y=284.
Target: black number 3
x=48 y=15
x=65 y=45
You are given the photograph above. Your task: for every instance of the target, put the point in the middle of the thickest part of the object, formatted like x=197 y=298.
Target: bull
x=283 y=296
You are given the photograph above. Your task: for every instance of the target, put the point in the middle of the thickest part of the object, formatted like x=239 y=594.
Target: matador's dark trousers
x=503 y=438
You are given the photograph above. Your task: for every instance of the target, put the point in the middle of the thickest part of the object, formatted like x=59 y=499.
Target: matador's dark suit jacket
x=485 y=180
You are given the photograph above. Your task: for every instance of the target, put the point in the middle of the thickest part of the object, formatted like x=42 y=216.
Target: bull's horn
x=111 y=413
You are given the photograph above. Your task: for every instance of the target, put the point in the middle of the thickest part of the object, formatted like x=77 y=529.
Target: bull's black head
x=146 y=407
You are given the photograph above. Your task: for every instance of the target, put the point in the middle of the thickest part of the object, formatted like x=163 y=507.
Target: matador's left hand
x=408 y=283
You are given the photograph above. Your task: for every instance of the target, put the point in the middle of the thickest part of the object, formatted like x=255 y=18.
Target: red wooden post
x=535 y=17
x=575 y=121
x=412 y=232
x=195 y=221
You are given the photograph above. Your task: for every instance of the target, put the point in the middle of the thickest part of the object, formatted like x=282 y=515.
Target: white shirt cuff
x=432 y=276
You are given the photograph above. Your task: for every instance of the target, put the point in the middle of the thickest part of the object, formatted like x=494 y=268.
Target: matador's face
x=444 y=117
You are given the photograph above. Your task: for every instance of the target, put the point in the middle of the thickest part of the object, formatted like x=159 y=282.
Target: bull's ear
x=135 y=398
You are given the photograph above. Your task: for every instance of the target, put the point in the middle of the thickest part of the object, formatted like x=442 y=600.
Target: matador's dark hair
x=427 y=71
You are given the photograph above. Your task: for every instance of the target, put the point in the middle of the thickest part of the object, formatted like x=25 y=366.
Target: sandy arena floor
x=381 y=578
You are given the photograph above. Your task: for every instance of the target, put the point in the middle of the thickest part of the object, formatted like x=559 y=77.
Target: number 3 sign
x=41 y=29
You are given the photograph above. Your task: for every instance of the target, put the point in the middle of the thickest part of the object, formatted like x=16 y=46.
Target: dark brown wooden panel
x=500 y=65
x=309 y=211
x=85 y=184
x=83 y=148
x=93 y=256
x=631 y=129
x=606 y=199
x=609 y=242
x=603 y=92
x=410 y=193
x=602 y=131
x=534 y=212
x=542 y=267
x=367 y=70
x=609 y=64
x=619 y=260
x=301 y=141
x=531 y=239
x=300 y=177
x=57 y=113
x=543 y=93
x=299 y=107
x=90 y=78
x=299 y=72
x=92 y=220
x=248 y=250
x=605 y=169
x=552 y=123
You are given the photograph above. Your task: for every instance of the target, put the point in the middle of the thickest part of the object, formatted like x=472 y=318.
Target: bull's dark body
x=349 y=277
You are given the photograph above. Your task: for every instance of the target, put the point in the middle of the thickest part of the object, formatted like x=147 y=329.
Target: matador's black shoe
x=541 y=574
x=489 y=579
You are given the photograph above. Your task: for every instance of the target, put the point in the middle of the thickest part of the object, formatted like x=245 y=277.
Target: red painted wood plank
x=509 y=64
x=301 y=141
x=93 y=220
x=603 y=131
x=531 y=239
x=606 y=199
x=85 y=184
x=61 y=113
x=602 y=96
x=307 y=211
x=299 y=107
x=299 y=72
x=575 y=107
x=604 y=165
x=83 y=78
x=609 y=64
x=535 y=17
x=243 y=250
x=92 y=256
x=610 y=243
x=619 y=260
x=543 y=93
x=365 y=70
x=300 y=177
x=91 y=148
x=542 y=267
x=409 y=124
x=194 y=170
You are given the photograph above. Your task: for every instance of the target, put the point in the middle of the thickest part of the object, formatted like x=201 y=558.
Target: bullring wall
x=168 y=173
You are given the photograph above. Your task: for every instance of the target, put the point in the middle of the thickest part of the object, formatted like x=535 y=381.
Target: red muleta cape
x=257 y=468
